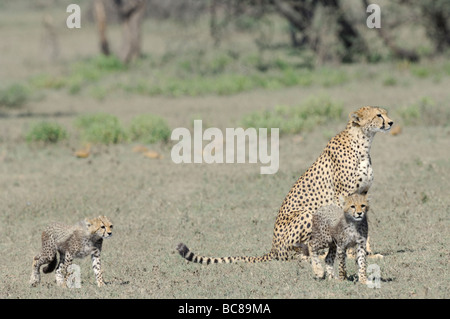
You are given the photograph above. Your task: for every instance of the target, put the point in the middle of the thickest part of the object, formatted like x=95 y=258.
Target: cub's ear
x=355 y=117
x=88 y=222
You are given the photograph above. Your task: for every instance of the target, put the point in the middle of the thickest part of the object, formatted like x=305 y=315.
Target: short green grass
x=217 y=74
x=46 y=132
x=100 y=128
x=296 y=119
x=149 y=128
x=14 y=95
x=105 y=128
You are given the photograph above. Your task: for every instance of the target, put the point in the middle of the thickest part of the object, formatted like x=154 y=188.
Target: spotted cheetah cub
x=76 y=241
x=337 y=229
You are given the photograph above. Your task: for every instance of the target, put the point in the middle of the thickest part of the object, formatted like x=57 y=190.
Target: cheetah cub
x=337 y=229
x=76 y=241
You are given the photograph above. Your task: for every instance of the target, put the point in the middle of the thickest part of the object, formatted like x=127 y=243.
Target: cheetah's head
x=371 y=119
x=100 y=226
x=355 y=206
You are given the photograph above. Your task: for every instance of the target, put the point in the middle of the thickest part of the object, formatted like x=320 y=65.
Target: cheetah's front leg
x=96 y=266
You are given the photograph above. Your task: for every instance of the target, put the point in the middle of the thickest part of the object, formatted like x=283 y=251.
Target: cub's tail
x=51 y=266
x=190 y=256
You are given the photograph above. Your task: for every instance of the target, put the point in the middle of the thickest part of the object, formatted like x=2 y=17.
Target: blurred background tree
x=331 y=29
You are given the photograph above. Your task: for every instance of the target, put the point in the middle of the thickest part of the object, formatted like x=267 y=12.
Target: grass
x=191 y=74
x=46 y=132
x=173 y=76
x=100 y=128
x=82 y=74
x=296 y=119
x=200 y=72
x=104 y=128
x=149 y=128
x=15 y=95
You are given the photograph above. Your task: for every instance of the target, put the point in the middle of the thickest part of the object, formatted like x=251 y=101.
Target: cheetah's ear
x=355 y=118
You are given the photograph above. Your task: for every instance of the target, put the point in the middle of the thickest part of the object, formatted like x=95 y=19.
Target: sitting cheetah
x=343 y=168
x=337 y=229
x=77 y=241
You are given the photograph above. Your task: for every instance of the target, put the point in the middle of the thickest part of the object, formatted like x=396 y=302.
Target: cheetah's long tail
x=51 y=266
x=190 y=256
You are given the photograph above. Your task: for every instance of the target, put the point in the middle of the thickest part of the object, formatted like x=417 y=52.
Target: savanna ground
x=216 y=209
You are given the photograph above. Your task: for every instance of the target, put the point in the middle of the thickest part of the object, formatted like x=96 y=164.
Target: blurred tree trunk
x=348 y=35
x=300 y=13
x=50 y=42
x=213 y=26
x=131 y=13
x=100 y=16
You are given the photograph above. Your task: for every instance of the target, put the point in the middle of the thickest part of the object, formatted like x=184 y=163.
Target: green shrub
x=100 y=128
x=149 y=128
x=14 y=95
x=295 y=119
x=46 y=132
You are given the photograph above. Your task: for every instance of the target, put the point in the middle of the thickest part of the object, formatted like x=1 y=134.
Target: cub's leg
x=61 y=271
x=46 y=256
x=341 y=254
x=38 y=261
x=315 y=262
x=96 y=266
x=329 y=260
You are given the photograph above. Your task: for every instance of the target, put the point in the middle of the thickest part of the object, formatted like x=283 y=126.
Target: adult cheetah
x=343 y=168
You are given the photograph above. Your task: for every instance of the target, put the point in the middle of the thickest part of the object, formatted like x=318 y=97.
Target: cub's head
x=371 y=119
x=99 y=226
x=355 y=206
